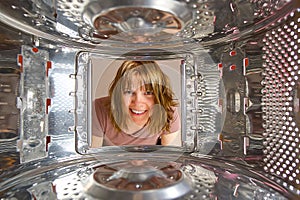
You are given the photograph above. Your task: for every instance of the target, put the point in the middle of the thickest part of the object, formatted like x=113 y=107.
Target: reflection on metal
x=210 y=22
x=124 y=21
x=234 y=129
x=9 y=116
x=280 y=81
x=34 y=65
x=148 y=180
x=211 y=178
x=204 y=116
x=234 y=100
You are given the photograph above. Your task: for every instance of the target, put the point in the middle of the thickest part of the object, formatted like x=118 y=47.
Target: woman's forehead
x=136 y=84
x=136 y=80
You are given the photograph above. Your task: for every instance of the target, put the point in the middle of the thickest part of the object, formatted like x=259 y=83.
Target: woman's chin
x=139 y=121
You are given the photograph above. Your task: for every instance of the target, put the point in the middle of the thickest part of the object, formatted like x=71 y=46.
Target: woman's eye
x=128 y=92
x=149 y=92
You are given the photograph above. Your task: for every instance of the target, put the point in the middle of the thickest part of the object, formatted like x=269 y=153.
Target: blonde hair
x=154 y=79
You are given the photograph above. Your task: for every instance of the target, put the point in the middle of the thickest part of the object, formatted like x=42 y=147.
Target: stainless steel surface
x=212 y=178
x=9 y=83
x=126 y=22
x=147 y=180
x=240 y=98
x=213 y=22
x=281 y=84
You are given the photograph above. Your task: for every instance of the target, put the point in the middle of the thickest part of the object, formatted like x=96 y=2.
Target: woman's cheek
x=126 y=100
x=151 y=101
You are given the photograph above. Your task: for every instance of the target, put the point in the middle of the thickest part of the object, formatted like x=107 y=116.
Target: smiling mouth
x=138 y=112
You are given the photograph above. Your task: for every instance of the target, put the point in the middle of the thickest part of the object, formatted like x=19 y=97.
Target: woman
x=139 y=110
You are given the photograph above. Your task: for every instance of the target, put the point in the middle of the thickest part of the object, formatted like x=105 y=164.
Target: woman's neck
x=132 y=127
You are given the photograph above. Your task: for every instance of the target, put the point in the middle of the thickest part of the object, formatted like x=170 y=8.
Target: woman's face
x=138 y=102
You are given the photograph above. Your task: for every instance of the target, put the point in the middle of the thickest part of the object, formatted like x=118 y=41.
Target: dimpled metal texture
x=211 y=179
x=281 y=101
x=148 y=180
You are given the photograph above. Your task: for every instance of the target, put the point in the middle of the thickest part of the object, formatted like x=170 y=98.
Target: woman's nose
x=137 y=97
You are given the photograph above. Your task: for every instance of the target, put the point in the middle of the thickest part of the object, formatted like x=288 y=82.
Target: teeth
x=137 y=111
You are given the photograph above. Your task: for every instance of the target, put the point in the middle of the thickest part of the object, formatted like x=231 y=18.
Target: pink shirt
x=102 y=127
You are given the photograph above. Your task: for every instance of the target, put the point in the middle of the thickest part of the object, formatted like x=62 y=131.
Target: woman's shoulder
x=102 y=101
